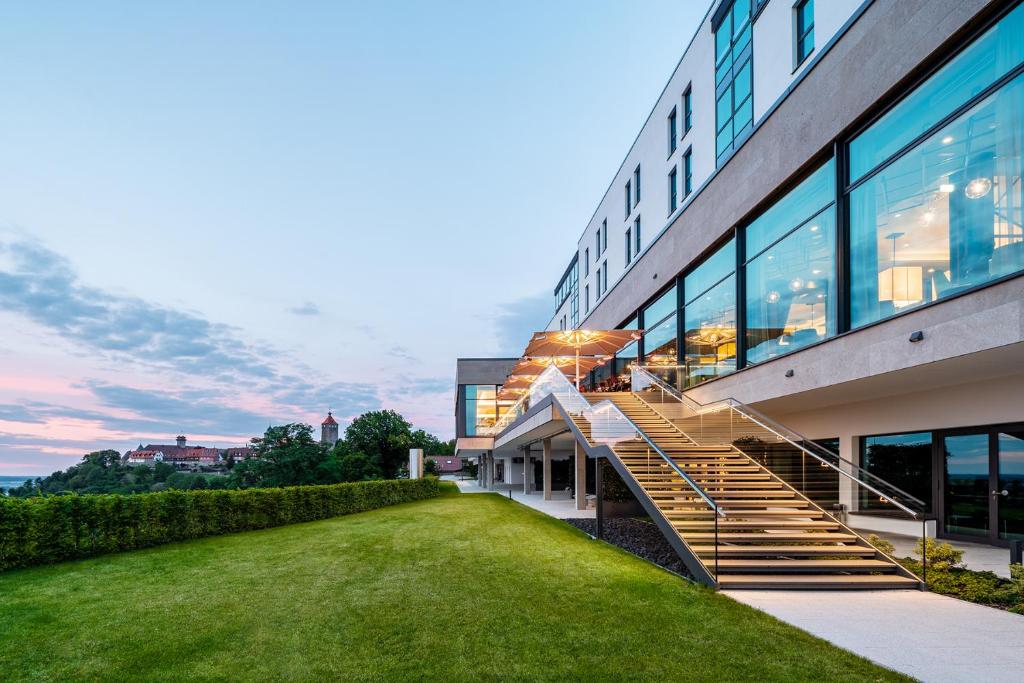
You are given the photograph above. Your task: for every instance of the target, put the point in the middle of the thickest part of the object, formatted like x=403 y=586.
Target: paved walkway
x=982 y=558
x=561 y=506
x=930 y=637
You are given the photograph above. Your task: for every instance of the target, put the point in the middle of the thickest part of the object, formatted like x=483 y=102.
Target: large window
x=628 y=198
x=481 y=407
x=804 y=34
x=636 y=185
x=734 y=102
x=790 y=271
x=629 y=245
x=979 y=65
x=943 y=217
x=709 y=317
x=903 y=460
x=636 y=234
x=660 y=342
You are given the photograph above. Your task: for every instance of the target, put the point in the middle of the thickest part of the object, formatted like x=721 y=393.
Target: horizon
x=203 y=241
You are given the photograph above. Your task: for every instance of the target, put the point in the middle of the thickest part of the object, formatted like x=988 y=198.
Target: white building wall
x=773 y=67
x=775 y=45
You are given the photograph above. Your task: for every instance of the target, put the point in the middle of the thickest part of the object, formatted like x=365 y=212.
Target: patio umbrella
x=532 y=367
x=580 y=343
x=510 y=393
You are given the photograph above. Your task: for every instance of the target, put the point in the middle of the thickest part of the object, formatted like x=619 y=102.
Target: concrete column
x=547 y=469
x=849 y=449
x=415 y=463
x=581 y=477
x=527 y=472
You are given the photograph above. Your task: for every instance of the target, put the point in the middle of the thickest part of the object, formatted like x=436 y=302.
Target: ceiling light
x=946 y=188
x=978 y=188
x=773 y=297
x=796 y=284
x=948 y=139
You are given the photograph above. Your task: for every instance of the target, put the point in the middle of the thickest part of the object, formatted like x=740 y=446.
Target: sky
x=220 y=216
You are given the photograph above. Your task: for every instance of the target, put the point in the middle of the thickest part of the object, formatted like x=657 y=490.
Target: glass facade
x=904 y=460
x=481 y=407
x=661 y=345
x=975 y=68
x=734 y=102
x=709 y=317
x=790 y=279
x=945 y=216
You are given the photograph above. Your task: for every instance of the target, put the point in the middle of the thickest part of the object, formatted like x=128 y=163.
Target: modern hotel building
x=821 y=219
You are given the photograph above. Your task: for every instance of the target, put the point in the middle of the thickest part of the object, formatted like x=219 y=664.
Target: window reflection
x=790 y=291
x=903 y=460
x=943 y=218
x=483 y=409
x=709 y=318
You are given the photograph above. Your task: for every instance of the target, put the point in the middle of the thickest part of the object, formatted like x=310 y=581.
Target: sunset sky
x=218 y=216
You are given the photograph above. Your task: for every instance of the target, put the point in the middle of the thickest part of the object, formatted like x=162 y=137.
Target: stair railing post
x=924 y=550
x=716 y=546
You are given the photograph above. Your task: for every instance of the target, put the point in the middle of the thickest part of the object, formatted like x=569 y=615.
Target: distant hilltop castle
x=183 y=456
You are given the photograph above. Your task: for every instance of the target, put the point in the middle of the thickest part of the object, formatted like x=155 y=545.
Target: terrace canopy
x=577 y=343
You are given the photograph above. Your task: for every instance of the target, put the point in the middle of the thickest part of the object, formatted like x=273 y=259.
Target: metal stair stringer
x=700 y=572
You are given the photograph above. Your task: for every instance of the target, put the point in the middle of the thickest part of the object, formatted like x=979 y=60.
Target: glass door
x=966 y=493
x=983 y=483
x=1008 y=495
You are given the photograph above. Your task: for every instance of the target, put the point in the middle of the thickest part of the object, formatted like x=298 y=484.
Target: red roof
x=330 y=420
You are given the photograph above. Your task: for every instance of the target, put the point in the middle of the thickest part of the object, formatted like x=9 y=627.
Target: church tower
x=329 y=430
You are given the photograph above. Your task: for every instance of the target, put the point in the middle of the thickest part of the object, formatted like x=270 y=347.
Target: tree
x=383 y=435
x=287 y=456
x=358 y=467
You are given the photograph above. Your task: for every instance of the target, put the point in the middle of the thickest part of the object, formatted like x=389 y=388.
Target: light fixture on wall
x=978 y=188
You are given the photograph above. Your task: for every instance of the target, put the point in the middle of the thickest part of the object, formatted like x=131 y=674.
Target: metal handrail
x=671 y=463
x=766 y=423
x=639 y=432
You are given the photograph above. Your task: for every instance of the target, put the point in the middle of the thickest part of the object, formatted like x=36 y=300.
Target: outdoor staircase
x=771 y=535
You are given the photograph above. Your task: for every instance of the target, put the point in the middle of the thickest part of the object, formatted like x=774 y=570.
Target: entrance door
x=1009 y=491
x=982 y=490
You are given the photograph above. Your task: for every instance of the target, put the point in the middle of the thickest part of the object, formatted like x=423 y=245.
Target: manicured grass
x=459 y=588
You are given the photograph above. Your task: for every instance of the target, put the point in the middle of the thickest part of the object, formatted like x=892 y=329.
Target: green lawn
x=464 y=587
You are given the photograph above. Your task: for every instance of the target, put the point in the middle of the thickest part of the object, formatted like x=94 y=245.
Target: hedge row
x=55 y=528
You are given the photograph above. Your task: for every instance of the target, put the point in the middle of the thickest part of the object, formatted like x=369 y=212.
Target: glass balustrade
x=835 y=485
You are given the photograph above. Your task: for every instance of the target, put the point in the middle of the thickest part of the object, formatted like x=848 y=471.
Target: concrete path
x=930 y=637
x=562 y=506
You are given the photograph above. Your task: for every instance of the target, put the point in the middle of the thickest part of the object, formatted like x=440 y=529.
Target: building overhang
x=472 y=446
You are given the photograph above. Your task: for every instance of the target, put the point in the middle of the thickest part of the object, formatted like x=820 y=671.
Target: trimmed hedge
x=55 y=528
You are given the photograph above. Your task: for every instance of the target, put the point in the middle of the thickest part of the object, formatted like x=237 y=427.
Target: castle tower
x=329 y=430
x=181 y=441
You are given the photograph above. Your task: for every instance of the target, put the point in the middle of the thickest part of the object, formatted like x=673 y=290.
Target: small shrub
x=939 y=555
x=882 y=544
x=43 y=530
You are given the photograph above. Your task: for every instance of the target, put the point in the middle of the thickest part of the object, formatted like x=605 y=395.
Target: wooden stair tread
x=784 y=550
x=816 y=581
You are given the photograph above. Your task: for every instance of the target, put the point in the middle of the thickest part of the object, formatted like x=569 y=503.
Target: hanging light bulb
x=978 y=188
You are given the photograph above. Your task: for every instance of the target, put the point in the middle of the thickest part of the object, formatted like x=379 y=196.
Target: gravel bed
x=638 y=535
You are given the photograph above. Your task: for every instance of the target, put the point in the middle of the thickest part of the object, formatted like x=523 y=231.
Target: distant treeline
x=375 y=446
